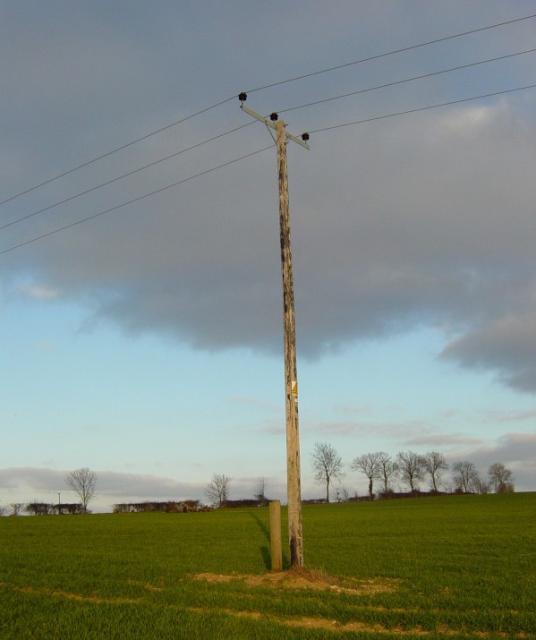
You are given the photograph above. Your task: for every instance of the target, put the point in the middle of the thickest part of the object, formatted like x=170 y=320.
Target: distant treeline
x=46 y=509
x=183 y=506
x=169 y=506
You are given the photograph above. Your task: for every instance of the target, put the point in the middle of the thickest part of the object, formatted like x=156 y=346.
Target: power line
x=405 y=80
x=115 y=150
x=249 y=155
x=391 y=52
x=132 y=201
x=417 y=109
x=230 y=131
x=266 y=86
x=124 y=175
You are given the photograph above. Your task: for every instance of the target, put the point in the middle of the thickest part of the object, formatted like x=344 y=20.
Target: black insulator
x=305 y=137
x=274 y=117
x=243 y=96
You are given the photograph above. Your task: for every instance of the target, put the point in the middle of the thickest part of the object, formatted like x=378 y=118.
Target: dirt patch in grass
x=355 y=626
x=146 y=585
x=304 y=579
x=68 y=595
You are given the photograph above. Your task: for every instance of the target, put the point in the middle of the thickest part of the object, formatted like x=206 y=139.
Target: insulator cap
x=305 y=137
x=243 y=96
x=274 y=117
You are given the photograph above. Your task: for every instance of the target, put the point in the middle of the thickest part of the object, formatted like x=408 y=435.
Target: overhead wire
x=249 y=155
x=255 y=89
x=425 y=108
x=405 y=80
x=238 y=128
x=132 y=201
x=91 y=161
x=385 y=54
x=122 y=176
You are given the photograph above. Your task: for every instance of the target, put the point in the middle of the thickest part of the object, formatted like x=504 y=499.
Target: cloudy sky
x=147 y=343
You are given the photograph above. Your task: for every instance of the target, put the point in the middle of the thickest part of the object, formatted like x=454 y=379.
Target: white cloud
x=442 y=440
x=510 y=416
x=39 y=291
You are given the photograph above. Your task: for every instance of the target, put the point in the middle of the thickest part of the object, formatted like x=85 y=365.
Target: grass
x=454 y=567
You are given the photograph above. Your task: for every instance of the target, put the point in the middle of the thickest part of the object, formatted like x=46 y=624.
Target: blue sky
x=147 y=344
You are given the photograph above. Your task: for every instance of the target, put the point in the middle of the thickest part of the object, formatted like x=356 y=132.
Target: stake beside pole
x=276 y=554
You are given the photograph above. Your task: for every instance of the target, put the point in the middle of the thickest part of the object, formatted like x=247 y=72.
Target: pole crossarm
x=272 y=125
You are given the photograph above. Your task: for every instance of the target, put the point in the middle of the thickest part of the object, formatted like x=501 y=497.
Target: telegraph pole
x=295 y=532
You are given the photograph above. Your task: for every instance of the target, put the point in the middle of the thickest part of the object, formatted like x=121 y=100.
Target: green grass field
x=450 y=567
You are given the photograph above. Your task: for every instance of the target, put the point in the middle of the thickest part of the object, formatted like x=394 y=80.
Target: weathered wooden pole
x=295 y=533
x=276 y=554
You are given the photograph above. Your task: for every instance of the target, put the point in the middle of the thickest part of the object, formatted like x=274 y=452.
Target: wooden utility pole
x=295 y=532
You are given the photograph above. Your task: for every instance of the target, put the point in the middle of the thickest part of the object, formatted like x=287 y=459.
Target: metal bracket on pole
x=271 y=124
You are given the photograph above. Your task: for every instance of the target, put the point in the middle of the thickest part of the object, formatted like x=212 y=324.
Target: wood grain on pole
x=276 y=553
x=291 y=377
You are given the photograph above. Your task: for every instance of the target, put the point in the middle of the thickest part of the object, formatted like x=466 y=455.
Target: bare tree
x=466 y=477
x=388 y=469
x=501 y=478
x=16 y=508
x=217 y=490
x=411 y=468
x=434 y=463
x=480 y=485
x=369 y=464
x=82 y=482
x=327 y=464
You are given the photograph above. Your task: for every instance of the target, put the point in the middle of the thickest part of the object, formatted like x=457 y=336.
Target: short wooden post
x=275 y=535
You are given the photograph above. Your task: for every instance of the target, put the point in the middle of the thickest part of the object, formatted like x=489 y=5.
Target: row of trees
x=152 y=506
x=407 y=467
x=410 y=469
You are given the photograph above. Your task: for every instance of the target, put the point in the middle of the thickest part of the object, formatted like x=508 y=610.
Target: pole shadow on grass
x=265 y=549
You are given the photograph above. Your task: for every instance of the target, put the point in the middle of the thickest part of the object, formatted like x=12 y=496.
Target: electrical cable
x=425 y=108
x=266 y=86
x=132 y=201
x=249 y=155
x=230 y=131
x=405 y=80
x=124 y=175
x=391 y=52
x=115 y=150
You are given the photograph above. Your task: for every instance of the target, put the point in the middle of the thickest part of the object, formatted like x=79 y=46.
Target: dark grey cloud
x=506 y=346
x=422 y=221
